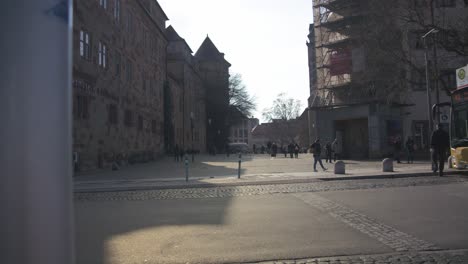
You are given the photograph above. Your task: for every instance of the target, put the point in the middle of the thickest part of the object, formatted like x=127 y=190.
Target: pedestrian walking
x=440 y=143
x=397 y=149
x=254 y=149
x=284 y=151
x=317 y=150
x=274 y=150
x=296 y=151
x=290 y=150
x=328 y=152
x=336 y=149
x=409 y=149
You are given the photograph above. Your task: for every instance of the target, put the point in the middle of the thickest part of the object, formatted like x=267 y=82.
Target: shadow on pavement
x=106 y=226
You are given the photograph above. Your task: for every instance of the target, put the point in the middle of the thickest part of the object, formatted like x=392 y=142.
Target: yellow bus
x=458 y=128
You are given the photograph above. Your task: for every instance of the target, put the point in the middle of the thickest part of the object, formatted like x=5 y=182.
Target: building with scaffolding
x=369 y=85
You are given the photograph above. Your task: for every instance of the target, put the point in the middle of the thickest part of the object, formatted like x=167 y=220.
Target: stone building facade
x=187 y=96
x=119 y=73
x=214 y=71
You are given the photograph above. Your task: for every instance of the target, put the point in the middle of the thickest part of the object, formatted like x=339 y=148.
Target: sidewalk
x=208 y=171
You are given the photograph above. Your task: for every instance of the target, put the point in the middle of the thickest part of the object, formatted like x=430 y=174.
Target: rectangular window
x=112 y=114
x=82 y=107
x=85 y=48
x=117 y=63
x=117 y=10
x=128 y=121
x=102 y=54
x=103 y=3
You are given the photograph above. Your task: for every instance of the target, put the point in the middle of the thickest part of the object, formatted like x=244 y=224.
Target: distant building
x=119 y=73
x=281 y=132
x=241 y=131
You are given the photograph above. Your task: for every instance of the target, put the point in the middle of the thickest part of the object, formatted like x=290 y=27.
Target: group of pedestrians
x=440 y=143
x=332 y=149
x=409 y=149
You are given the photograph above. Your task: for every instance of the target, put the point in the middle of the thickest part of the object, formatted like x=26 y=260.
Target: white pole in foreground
x=36 y=222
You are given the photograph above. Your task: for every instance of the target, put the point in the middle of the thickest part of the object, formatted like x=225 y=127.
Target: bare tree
x=395 y=31
x=239 y=98
x=283 y=108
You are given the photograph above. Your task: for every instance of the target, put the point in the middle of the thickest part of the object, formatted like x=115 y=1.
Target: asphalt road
x=249 y=223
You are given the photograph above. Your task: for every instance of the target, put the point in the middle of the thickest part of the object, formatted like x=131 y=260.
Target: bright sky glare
x=264 y=40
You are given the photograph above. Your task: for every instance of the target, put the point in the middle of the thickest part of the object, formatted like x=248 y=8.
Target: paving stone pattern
x=387 y=235
x=419 y=257
x=233 y=191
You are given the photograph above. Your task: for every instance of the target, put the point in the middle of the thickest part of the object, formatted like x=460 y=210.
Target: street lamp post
x=191 y=128
x=428 y=88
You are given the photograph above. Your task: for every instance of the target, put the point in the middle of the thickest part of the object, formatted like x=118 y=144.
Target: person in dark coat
x=397 y=146
x=440 y=143
x=317 y=151
x=274 y=149
x=328 y=152
x=409 y=149
x=290 y=150
x=296 y=151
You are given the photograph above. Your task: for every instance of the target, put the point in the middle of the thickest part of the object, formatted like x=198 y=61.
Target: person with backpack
x=317 y=151
x=296 y=151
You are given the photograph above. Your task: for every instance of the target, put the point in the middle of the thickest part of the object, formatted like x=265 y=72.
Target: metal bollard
x=239 y=171
x=186 y=168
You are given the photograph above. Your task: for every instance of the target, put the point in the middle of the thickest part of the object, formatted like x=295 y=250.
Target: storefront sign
x=462 y=77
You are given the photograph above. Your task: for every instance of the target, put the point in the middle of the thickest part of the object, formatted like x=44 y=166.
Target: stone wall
x=118 y=88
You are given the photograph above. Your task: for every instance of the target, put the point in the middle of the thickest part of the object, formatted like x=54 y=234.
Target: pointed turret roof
x=208 y=51
x=172 y=35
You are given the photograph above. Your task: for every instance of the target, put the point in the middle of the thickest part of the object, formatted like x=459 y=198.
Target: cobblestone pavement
x=387 y=235
x=420 y=257
x=233 y=191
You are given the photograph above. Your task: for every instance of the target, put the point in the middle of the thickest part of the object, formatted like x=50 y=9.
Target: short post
x=340 y=167
x=239 y=170
x=387 y=165
x=186 y=168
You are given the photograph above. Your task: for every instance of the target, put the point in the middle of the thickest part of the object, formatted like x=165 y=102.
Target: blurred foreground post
x=35 y=135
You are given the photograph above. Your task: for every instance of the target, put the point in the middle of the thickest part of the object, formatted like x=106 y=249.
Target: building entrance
x=355 y=138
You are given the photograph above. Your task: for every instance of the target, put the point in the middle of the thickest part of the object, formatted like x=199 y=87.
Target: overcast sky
x=264 y=40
